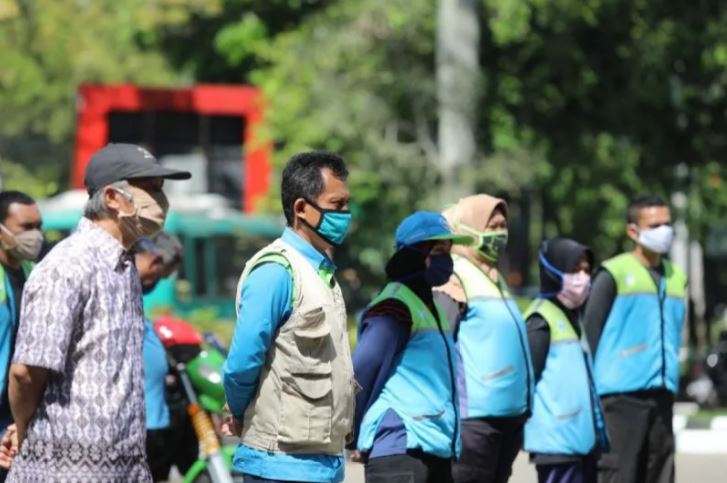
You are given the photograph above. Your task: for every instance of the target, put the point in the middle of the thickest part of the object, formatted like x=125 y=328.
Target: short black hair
x=639 y=202
x=7 y=198
x=302 y=177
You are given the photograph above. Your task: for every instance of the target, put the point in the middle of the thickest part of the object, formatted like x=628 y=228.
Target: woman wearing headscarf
x=406 y=422
x=495 y=373
x=566 y=430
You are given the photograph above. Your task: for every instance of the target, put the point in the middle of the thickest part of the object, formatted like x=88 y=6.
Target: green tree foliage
x=582 y=104
x=48 y=48
x=620 y=97
x=358 y=79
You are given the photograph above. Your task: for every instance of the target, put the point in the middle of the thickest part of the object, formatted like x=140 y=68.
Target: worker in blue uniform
x=566 y=431
x=406 y=421
x=20 y=242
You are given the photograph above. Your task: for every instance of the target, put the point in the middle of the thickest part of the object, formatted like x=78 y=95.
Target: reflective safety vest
x=639 y=346
x=496 y=367
x=421 y=389
x=566 y=411
x=9 y=314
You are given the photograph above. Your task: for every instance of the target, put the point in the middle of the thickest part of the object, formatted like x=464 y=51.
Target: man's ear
x=299 y=208
x=632 y=232
x=112 y=198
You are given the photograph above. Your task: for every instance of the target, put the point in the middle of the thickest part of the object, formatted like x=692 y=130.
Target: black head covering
x=407 y=266
x=564 y=254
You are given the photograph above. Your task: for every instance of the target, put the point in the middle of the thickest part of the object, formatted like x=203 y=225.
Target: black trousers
x=409 y=468
x=489 y=447
x=642 y=439
x=167 y=447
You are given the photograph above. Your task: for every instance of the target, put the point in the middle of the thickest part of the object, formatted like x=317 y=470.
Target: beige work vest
x=305 y=398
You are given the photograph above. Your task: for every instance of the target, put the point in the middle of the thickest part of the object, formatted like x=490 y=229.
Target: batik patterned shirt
x=82 y=319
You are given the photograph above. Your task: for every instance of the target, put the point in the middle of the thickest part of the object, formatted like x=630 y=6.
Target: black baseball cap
x=118 y=162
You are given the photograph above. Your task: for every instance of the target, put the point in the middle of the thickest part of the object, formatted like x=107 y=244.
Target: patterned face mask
x=150 y=211
x=490 y=244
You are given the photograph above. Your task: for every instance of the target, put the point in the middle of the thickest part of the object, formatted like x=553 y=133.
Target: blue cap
x=427 y=226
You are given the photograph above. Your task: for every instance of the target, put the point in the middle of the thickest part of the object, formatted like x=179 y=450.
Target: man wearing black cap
x=76 y=382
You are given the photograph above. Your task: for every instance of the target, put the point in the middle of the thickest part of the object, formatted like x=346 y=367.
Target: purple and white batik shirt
x=82 y=319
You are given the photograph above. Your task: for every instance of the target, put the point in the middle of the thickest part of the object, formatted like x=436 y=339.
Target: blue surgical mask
x=333 y=225
x=440 y=270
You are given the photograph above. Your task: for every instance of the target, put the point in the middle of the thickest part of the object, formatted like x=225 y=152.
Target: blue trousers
x=583 y=471
x=255 y=479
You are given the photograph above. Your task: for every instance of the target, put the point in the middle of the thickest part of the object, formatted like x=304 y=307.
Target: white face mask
x=26 y=245
x=657 y=240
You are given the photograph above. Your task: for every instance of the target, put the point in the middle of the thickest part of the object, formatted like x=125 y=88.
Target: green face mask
x=490 y=244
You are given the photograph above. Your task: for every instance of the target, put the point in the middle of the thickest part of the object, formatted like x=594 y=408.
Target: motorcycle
x=198 y=367
x=707 y=381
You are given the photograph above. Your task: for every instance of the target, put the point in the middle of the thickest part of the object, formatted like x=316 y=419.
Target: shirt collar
x=320 y=261
x=109 y=249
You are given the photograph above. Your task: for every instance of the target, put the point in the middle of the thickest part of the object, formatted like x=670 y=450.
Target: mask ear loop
x=544 y=261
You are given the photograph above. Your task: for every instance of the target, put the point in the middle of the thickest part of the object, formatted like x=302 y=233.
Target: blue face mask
x=333 y=225
x=440 y=270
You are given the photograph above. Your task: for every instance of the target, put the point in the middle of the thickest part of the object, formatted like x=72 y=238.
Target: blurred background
x=566 y=108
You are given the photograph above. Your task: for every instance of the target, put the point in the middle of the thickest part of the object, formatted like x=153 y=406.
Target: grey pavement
x=691 y=468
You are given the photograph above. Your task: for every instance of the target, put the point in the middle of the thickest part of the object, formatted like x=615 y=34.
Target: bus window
x=232 y=254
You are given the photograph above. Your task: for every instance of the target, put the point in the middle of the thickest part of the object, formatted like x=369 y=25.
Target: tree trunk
x=458 y=81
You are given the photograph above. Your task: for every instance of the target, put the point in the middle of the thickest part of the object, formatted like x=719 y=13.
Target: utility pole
x=458 y=84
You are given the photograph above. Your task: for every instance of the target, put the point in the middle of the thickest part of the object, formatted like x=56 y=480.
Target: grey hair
x=96 y=205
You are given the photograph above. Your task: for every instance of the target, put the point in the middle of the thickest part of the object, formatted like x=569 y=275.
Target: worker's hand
x=356 y=457
x=231 y=427
x=8 y=447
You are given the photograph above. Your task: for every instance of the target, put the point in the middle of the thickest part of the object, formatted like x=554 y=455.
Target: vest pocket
x=306 y=402
x=313 y=342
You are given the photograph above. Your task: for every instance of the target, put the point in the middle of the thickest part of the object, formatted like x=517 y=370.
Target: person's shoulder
x=272 y=270
x=67 y=256
x=536 y=321
x=390 y=308
x=267 y=280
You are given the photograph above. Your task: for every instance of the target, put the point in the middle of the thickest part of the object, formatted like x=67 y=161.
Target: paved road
x=690 y=469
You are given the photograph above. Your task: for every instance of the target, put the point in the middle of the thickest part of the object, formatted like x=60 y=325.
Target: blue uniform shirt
x=156 y=368
x=8 y=327
x=265 y=305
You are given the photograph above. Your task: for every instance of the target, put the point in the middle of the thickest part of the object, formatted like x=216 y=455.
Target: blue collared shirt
x=265 y=305
x=156 y=369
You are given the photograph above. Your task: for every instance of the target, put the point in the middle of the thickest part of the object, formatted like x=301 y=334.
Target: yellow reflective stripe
x=3 y=289
x=421 y=316
x=476 y=283
x=560 y=328
x=632 y=277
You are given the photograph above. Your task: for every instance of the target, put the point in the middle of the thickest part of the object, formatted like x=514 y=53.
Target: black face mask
x=147 y=289
x=438 y=273
x=440 y=270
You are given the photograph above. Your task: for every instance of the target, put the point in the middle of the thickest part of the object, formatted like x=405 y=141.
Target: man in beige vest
x=288 y=377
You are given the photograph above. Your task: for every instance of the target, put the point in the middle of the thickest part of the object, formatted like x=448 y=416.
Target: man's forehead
x=333 y=184
x=23 y=211
x=654 y=213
